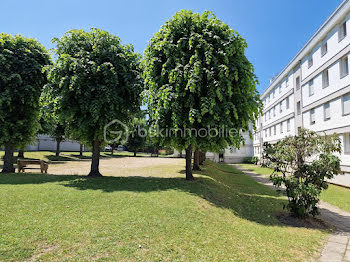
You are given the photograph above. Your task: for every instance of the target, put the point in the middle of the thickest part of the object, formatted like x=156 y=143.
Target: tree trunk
x=112 y=149
x=189 y=175
x=8 y=159
x=135 y=153
x=81 y=150
x=58 y=144
x=20 y=153
x=95 y=162
x=201 y=158
x=196 y=160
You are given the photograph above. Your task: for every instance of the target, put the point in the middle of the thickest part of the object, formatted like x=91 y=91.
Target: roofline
x=306 y=48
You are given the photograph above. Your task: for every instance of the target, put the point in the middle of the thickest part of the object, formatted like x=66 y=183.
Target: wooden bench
x=22 y=163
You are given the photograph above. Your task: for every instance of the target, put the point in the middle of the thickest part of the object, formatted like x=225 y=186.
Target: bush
x=302 y=164
x=162 y=152
x=251 y=160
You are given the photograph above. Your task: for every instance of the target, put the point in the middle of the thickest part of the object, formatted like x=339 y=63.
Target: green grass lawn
x=71 y=156
x=335 y=195
x=257 y=169
x=221 y=216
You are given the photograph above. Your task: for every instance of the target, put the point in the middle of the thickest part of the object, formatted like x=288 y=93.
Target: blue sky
x=274 y=29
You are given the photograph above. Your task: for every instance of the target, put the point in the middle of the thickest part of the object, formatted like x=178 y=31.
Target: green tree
x=51 y=122
x=21 y=81
x=137 y=136
x=197 y=76
x=302 y=164
x=96 y=80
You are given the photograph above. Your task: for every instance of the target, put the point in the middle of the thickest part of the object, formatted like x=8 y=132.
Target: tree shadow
x=252 y=202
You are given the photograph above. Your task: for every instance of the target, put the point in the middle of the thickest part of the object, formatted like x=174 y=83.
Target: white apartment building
x=313 y=90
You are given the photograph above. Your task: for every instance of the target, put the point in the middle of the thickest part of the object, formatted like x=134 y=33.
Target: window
x=287 y=102
x=327 y=111
x=269 y=114
x=270 y=131
x=274 y=111
x=266 y=117
x=274 y=130
x=281 y=106
x=311 y=88
x=273 y=93
x=312 y=117
x=346 y=143
x=265 y=132
x=342 y=31
x=287 y=82
x=298 y=108
x=325 y=79
x=280 y=89
x=310 y=61
x=344 y=67
x=324 y=48
x=297 y=82
x=281 y=127
x=288 y=125
x=346 y=104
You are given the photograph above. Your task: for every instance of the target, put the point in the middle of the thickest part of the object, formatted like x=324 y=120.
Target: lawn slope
x=153 y=216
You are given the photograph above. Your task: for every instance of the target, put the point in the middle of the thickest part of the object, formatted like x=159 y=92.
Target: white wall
x=334 y=46
x=46 y=143
x=279 y=135
x=278 y=114
x=337 y=119
x=335 y=83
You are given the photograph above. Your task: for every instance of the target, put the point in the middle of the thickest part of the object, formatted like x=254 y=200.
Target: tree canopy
x=97 y=80
x=197 y=76
x=21 y=81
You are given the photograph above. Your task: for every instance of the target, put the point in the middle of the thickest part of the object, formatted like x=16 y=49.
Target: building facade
x=313 y=90
x=47 y=143
x=231 y=155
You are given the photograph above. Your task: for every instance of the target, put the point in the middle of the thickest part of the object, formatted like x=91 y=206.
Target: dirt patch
x=44 y=249
x=123 y=166
x=309 y=222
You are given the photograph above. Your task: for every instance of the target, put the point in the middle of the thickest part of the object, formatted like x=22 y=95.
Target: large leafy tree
x=96 y=80
x=21 y=81
x=196 y=76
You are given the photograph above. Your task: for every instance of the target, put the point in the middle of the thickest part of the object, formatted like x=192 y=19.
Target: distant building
x=47 y=143
x=231 y=155
x=313 y=90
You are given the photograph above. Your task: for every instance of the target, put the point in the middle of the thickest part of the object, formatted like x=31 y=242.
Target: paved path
x=341 y=179
x=337 y=248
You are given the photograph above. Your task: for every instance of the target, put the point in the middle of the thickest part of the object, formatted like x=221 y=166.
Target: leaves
x=21 y=82
x=95 y=79
x=302 y=164
x=196 y=75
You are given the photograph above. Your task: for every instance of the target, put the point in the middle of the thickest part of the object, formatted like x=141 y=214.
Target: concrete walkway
x=341 y=179
x=337 y=248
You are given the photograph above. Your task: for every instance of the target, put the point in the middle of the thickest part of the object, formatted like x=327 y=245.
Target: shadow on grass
x=236 y=192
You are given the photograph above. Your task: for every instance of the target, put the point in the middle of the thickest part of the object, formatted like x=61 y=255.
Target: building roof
x=339 y=14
